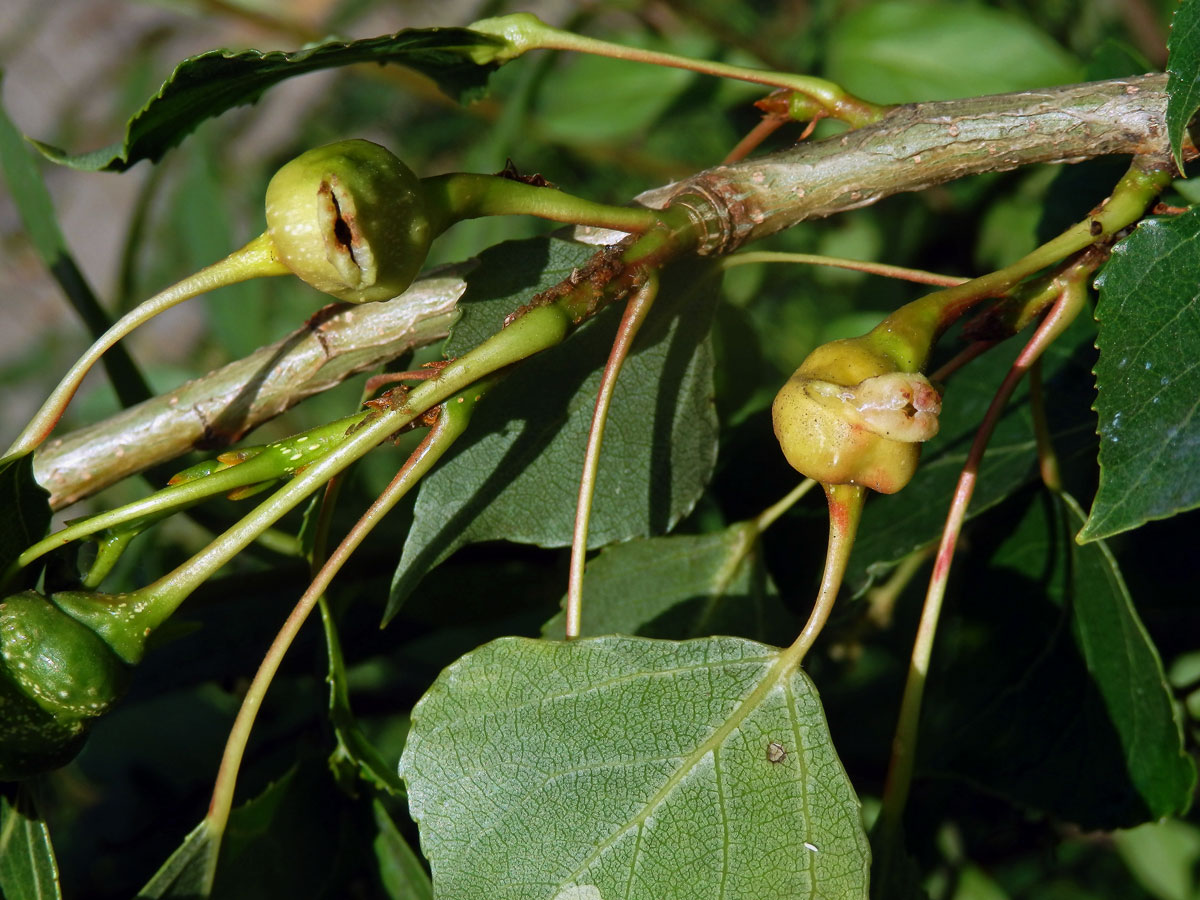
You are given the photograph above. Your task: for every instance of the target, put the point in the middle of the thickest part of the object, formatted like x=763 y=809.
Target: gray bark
x=913 y=147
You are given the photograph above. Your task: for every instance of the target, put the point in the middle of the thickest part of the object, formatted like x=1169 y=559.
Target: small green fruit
x=56 y=676
x=349 y=219
x=847 y=416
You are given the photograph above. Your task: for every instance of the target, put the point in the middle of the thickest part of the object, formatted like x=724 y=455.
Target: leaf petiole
x=463 y=195
x=256 y=259
x=1072 y=284
x=451 y=422
x=636 y=310
x=523 y=32
x=872 y=268
x=845 y=511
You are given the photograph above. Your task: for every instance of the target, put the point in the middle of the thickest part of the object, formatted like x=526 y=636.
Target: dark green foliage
x=1054 y=704
x=1146 y=378
x=1183 y=86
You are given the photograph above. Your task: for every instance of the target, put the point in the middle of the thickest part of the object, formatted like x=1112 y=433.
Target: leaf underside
x=620 y=768
x=211 y=83
x=1148 y=377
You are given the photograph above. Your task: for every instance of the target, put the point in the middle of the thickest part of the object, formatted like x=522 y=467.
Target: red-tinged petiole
x=375 y=382
x=754 y=138
x=1073 y=284
x=636 y=309
x=919 y=276
x=968 y=354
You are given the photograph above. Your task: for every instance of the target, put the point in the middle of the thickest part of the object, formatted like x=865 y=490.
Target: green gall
x=56 y=676
x=349 y=218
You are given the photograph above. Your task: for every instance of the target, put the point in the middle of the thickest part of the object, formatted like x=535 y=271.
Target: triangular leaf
x=207 y=85
x=188 y=872
x=1183 y=74
x=518 y=478
x=623 y=768
x=1147 y=379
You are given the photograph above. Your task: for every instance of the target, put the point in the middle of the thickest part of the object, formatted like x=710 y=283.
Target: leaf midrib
x=780 y=669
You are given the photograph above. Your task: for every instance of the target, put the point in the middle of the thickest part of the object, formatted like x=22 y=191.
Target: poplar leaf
x=619 y=768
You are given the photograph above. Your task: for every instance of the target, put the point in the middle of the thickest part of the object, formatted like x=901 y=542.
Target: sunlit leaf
x=623 y=768
x=632 y=98
x=906 y=51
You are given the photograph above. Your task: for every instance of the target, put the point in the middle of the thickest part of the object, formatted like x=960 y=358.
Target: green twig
x=532 y=329
x=207 y=479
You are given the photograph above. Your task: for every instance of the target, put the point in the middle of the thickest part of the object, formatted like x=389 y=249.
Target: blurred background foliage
x=602 y=129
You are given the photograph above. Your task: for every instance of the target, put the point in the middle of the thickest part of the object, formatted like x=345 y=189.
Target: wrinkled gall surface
x=349 y=219
x=848 y=417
